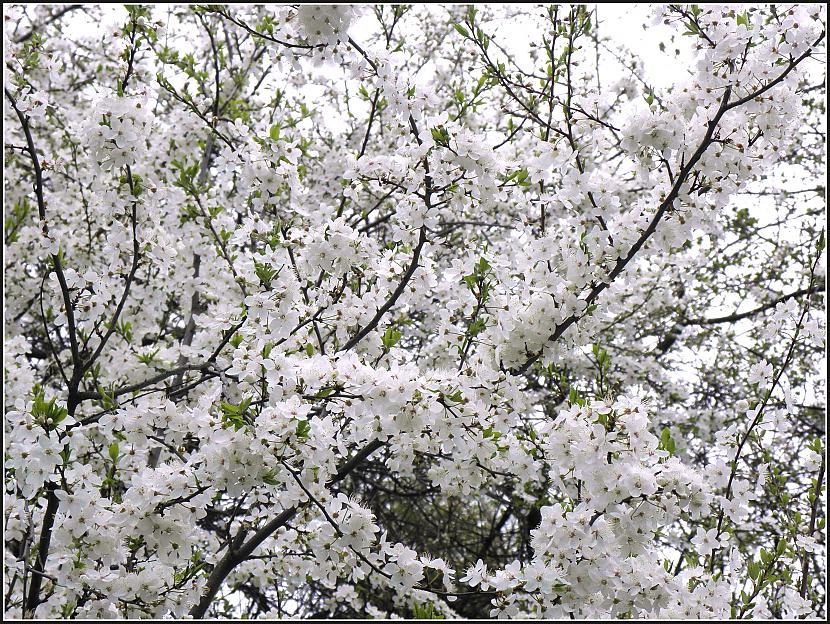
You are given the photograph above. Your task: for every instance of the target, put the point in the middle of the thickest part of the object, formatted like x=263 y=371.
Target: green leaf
x=235 y=415
x=303 y=429
x=390 y=338
x=270 y=478
x=491 y=433
x=441 y=136
x=113 y=452
x=476 y=327
x=574 y=398
x=265 y=272
x=47 y=414
x=425 y=612
x=322 y=394
x=461 y=30
x=743 y=18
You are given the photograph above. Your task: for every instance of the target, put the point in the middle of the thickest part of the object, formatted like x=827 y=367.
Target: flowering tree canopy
x=388 y=312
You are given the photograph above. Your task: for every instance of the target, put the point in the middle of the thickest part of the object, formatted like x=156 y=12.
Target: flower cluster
x=325 y=24
x=593 y=552
x=117 y=133
x=308 y=315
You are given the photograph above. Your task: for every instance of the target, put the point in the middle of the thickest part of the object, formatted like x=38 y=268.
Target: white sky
x=620 y=23
x=624 y=26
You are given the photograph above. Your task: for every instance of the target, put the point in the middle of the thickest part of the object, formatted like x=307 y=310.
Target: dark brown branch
x=49 y=20
x=237 y=555
x=805 y=566
x=731 y=318
x=668 y=202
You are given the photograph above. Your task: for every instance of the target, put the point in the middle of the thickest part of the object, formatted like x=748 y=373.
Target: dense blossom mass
x=333 y=311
